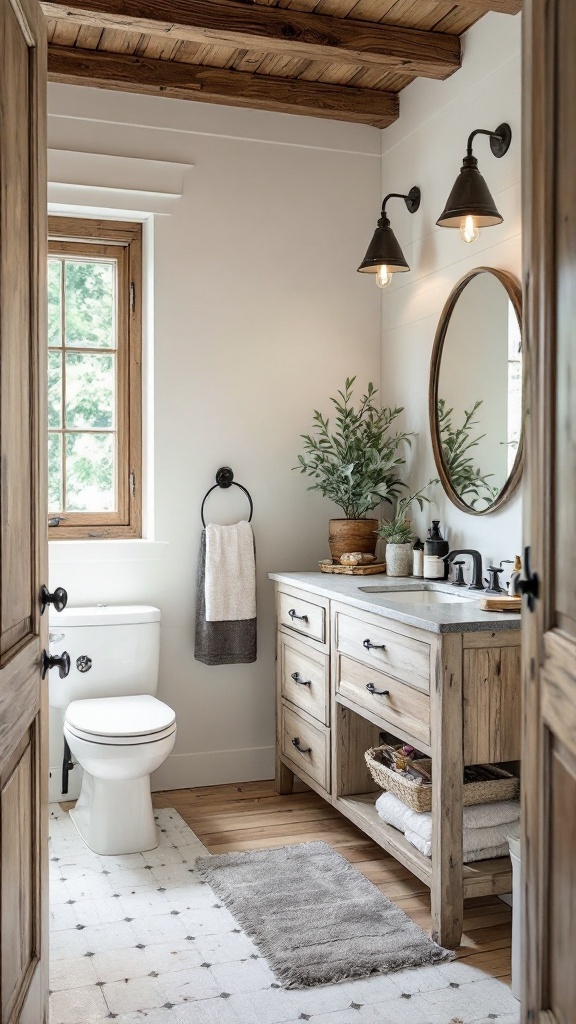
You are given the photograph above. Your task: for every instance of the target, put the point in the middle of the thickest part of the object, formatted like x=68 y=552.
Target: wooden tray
x=501 y=604
x=353 y=570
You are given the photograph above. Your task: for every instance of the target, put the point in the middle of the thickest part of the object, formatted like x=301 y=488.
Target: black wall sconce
x=470 y=205
x=384 y=256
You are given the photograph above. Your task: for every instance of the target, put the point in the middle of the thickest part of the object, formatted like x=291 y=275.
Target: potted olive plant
x=397 y=532
x=354 y=463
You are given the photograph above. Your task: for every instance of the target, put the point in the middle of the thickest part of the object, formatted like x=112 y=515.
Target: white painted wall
x=257 y=316
x=425 y=147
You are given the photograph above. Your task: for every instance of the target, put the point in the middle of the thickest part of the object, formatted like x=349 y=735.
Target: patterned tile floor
x=140 y=939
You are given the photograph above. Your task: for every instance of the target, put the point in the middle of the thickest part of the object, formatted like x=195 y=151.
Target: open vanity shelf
x=348 y=671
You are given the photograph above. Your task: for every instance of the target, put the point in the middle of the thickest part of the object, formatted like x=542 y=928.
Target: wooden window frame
x=76 y=236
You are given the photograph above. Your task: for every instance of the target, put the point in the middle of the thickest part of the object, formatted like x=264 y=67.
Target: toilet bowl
x=116 y=728
x=119 y=742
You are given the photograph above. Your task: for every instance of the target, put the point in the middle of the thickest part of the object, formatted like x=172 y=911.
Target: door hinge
x=132 y=297
x=133 y=484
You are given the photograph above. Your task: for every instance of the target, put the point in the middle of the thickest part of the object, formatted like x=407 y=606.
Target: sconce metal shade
x=384 y=250
x=470 y=196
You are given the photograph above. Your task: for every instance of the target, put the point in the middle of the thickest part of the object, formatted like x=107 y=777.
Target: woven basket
x=419 y=797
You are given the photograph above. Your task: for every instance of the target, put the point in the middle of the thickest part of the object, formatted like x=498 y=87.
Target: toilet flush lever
x=59 y=661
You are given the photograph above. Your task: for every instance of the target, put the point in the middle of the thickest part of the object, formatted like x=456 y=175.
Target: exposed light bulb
x=469 y=229
x=383 y=277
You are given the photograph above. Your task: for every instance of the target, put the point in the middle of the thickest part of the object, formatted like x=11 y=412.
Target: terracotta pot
x=399 y=559
x=352 y=535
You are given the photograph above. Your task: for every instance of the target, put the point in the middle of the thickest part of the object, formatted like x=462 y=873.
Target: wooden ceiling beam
x=258 y=27
x=216 y=85
x=486 y=6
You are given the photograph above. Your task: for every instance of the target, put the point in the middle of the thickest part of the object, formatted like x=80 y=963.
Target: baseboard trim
x=214 y=768
x=184 y=771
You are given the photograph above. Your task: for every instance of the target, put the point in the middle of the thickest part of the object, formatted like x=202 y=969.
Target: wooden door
x=549 y=642
x=23 y=544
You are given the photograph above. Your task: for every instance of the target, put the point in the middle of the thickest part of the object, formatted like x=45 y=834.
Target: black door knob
x=59 y=661
x=59 y=598
x=529 y=585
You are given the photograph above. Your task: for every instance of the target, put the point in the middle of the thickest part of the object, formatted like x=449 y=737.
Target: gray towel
x=232 y=642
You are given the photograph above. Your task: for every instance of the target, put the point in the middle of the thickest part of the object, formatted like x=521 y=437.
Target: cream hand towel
x=230 y=581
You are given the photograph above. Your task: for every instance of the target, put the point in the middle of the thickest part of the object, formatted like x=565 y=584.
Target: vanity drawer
x=302 y=615
x=304 y=676
x=398 y=655
x=405 y=708
x=307 y=745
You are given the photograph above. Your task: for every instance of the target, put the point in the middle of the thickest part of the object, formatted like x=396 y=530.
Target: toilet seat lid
x=140 y=715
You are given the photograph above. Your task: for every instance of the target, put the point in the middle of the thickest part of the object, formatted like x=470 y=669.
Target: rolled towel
x=476 y=818
x=487 y=853
x=475 y=837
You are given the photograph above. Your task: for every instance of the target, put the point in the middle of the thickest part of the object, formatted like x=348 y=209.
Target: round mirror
x=476 y=391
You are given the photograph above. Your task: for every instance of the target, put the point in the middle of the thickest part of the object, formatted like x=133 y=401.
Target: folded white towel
x=230 y=582
x=484 y=854
x=485 y=826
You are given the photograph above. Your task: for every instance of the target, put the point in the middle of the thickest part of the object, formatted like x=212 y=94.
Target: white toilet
x=116 y=728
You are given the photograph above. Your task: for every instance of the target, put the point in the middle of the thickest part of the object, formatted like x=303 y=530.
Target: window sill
x=107 y=550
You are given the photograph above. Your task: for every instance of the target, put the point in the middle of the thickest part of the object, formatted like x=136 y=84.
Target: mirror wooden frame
x=514 y=291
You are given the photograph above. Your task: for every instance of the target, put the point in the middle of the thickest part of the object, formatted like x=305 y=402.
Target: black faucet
x=476 y=557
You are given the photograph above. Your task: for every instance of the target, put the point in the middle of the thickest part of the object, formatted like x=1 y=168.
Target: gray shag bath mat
x=315 y=918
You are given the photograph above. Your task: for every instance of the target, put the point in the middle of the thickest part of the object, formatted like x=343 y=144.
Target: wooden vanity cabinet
x=344 y=675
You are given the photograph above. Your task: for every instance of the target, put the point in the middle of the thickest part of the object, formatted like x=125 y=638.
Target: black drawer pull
x=301 y=750
x=370 y=646
x=294 y=615
x=377 y=693
x=301 y=682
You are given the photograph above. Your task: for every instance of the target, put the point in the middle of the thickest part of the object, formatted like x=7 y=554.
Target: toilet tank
x=114 y=652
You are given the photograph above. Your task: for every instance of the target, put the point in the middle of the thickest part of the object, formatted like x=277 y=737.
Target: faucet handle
x=459 y=581
x=494 y=581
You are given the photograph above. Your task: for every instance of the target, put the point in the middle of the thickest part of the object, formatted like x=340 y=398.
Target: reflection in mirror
x=476 y=391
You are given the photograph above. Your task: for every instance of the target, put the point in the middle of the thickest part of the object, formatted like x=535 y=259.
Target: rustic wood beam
x=216 y=85
x=259 y=27
x=485 y=6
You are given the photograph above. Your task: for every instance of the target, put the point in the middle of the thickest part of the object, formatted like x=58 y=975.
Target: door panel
x=23 y=546
x=18 y=915
x=562 y=883
x=549 y=627
x=17 y=613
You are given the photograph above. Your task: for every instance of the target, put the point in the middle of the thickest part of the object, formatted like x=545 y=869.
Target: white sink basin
x=425 y=597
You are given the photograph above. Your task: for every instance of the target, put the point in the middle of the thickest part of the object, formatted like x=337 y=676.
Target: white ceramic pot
x=399 y=559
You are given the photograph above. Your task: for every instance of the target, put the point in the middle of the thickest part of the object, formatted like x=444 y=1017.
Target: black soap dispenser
x=435 y=551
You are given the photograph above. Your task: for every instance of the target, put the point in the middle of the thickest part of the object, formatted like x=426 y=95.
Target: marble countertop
x=462 y=616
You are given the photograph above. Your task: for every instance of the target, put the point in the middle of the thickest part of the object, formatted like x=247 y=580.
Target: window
x=94 y=379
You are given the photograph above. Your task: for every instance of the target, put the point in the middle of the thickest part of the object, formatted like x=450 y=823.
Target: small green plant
x=355 y=463
x=467 y=479
x=399 y=529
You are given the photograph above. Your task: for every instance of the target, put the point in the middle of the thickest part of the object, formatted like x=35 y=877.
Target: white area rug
x=142 y=940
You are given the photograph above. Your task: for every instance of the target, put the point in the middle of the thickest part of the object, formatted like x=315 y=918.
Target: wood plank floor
x=249 y=816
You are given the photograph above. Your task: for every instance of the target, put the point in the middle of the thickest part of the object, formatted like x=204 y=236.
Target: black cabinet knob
x=373 y=647
x=59 y=661
x=301 y=750
x=301 y=682
x=294 y=615
x=59 y=598
x=377 y=693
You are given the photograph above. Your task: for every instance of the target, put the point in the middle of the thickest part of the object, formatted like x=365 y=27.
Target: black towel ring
x=224 y=479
